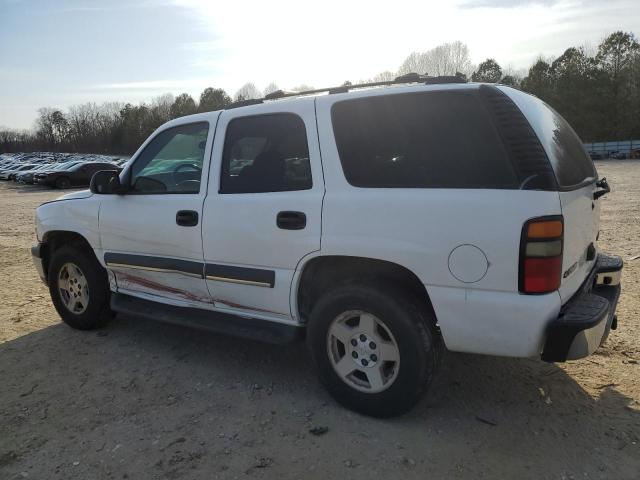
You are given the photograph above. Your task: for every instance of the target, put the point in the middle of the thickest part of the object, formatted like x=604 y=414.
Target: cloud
x=153 y=85
x=504 y=3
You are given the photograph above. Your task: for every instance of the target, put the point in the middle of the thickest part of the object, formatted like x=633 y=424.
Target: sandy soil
x=146 y=400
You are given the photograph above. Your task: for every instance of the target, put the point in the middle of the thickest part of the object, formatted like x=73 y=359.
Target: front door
x=151 y=236
x=262 y=214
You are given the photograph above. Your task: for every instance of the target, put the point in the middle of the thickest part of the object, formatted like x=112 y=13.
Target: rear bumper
x=585 y=320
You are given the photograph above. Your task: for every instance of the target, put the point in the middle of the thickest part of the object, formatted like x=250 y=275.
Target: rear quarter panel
x=419 y=228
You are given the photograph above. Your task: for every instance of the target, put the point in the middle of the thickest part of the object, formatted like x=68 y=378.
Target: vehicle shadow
x=141 y=399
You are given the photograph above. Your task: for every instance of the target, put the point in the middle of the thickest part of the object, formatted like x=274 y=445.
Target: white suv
x=380 y=221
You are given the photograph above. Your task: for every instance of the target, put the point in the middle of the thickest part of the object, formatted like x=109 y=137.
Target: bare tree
x=445 y=59
x=385 y=76
x=272 y=87
x=161 y=106
x=247 y=92
x=301 y=88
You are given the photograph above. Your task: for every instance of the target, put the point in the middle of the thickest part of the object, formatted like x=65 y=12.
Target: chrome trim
x=236 y=280
x=154 y=269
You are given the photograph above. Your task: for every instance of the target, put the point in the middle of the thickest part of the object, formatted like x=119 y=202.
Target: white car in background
x=379 y=223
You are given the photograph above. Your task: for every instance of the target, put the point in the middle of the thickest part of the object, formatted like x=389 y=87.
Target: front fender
x=76 y=214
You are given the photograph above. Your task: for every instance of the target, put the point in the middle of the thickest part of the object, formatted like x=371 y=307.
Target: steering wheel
x=187 y=167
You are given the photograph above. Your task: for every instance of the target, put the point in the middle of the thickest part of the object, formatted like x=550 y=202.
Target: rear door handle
x=291 y=220
x=187 y=218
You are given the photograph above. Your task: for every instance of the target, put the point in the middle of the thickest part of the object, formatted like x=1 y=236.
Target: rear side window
x=569 y=159
x=265 y=153
x=421 y=140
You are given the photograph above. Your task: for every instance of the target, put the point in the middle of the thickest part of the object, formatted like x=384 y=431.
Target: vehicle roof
x=335 y=94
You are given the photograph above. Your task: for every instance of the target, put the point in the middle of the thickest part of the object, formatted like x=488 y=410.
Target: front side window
x=265 y=153
x=172 y=161
x=421 y=140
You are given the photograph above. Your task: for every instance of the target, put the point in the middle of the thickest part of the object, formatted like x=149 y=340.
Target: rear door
x=576 y=176
x=262 y=213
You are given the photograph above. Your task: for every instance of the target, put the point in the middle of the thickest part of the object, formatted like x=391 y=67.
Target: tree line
x=597 y=91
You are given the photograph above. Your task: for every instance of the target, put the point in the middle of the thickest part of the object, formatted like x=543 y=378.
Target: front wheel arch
x=56 y=239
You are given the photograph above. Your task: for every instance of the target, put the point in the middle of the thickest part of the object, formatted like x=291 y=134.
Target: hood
x=76 y=195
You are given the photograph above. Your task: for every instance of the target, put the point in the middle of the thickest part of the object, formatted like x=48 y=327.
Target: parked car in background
x=7 y=174
x=618 y=155
x=58 y=167
x=27 y=176
x=76 y=175
x=9 y=165
x=595 y=156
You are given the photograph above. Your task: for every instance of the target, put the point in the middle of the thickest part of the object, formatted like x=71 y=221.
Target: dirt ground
x=144 y=400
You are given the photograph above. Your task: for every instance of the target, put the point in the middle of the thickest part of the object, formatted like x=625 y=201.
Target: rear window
x=569 y=159
x=421 y=140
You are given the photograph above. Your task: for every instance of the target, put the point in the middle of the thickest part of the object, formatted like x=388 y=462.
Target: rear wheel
x=63 y=182
x=375 y=347
x=79 y=288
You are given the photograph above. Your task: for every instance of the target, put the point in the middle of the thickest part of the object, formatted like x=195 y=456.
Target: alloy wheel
x=363 y=351
x=73 y=288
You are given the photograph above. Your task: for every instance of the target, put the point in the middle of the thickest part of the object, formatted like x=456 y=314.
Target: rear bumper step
x=586 y=319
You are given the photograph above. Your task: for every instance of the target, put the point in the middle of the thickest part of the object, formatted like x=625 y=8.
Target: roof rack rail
x=244 y=103
x=458 y=78
x=411 y=77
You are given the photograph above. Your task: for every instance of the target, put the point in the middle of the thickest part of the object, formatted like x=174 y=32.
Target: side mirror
x=106 y=182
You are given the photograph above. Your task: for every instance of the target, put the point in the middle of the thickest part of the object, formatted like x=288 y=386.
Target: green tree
x=60 y=126
x=615 y=57
x=538 y=81
x=212 y=99
x=510 y=80
x=183 y=105
x=488 y=71
x=575 y=91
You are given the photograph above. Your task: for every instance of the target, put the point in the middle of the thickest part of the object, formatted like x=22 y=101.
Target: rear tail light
x=541 y=255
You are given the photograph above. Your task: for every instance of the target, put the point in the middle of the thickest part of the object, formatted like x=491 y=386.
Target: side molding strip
x=154 y=264
x=210 y=271
x=243 y=275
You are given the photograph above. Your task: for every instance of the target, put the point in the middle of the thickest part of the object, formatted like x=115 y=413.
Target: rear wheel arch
x=322 y=273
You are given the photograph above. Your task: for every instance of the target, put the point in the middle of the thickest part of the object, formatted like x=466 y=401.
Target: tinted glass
x=265 y=153
x=569 y=159
x=172 y=161
x=421 y=140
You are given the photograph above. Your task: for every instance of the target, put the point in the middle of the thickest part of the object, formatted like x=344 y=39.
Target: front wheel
x=375 y=347
x=79 y=288
x=63 y=182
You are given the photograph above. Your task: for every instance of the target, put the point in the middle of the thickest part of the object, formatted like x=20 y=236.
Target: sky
x=58 y=53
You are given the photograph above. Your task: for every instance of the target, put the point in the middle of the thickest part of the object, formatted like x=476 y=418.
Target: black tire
x=409 y=321
x=97 y=312
x=63 y=182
